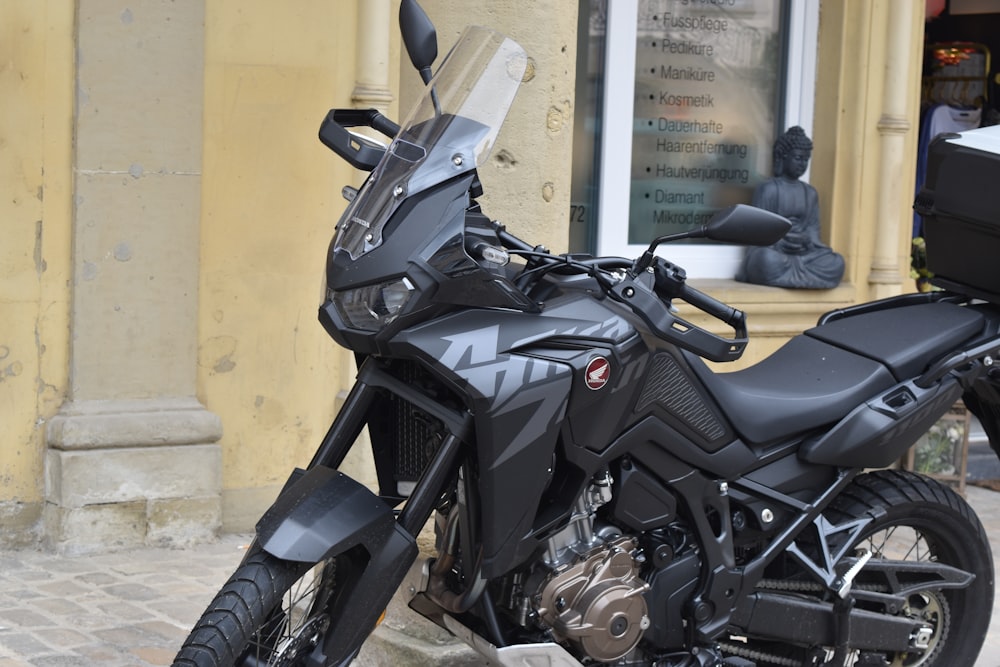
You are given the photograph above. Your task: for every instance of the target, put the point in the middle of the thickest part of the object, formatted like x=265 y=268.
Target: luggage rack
x=899 y=301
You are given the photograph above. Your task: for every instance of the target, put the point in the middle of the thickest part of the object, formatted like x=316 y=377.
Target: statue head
x=792 y=151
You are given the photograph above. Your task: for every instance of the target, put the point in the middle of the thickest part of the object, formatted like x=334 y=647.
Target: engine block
x=597 y=601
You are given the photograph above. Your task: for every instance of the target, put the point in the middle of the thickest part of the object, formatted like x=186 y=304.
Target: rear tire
x=270 y=612
x=917 y=518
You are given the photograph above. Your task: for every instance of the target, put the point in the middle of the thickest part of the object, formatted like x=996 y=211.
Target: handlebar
x=648 y=295
x=510 y=241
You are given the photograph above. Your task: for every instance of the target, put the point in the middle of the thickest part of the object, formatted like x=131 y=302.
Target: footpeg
x=844 y=584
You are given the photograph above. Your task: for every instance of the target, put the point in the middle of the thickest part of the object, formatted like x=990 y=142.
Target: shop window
x=678 y=103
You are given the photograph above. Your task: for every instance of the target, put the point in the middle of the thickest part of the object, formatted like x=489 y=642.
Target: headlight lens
x=373 y=306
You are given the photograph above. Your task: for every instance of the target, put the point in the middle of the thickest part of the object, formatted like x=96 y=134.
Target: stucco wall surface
x=36 y=69
x=270 y=200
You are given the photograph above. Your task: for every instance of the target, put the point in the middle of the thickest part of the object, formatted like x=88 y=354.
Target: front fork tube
x=427 y=493
x=346 y=428
x=353 y=417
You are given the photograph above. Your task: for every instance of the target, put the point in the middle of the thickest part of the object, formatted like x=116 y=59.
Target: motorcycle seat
x=820 y=376
x=805 y=384
x=905 y=339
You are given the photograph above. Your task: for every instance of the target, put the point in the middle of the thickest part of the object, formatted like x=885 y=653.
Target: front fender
x=323 y=512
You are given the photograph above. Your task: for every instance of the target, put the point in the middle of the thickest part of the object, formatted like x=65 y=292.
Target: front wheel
x=270 y=613
x=916 y=518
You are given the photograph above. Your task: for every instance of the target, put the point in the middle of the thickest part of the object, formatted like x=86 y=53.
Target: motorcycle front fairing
x=400 y=254
x=404 y=258
x=432 y=273
x=404 y=255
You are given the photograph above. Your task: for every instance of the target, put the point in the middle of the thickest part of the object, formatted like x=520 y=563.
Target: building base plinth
x=165 y=489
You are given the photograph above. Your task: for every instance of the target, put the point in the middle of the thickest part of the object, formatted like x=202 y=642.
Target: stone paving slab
x=133 y=608
x=128 y=608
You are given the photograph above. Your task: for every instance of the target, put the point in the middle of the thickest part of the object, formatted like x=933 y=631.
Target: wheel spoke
x=289 y=631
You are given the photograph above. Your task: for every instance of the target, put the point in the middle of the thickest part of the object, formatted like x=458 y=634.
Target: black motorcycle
x=599 y=495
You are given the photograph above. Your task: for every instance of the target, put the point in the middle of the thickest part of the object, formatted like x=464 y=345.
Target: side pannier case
x=960 y=203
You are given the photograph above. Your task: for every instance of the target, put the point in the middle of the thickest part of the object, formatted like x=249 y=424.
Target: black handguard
x=359 y=151
x=648 y=295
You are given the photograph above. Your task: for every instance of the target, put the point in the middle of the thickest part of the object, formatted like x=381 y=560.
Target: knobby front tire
x=270 y=612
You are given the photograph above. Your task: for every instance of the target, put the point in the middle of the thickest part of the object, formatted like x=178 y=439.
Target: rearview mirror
x=740 y=224
x=419 y=36
x=746 y=225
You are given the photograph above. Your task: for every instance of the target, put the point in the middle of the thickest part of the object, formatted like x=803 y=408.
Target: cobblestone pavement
x=124 y=608
x=134 y=608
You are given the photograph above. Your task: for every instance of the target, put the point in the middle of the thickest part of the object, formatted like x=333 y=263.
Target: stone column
x=371 y=85
x=894 y=126
x=131 y=455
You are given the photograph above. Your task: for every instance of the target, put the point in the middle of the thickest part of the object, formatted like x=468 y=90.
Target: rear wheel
x=271 y=612
x=905 y=517
x=920 y=519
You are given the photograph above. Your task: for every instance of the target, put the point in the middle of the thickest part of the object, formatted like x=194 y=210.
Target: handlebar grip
x=382 y=124
x=365 y=118
x=721 y=311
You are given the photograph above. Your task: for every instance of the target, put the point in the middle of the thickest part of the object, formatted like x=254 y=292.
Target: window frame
x=614 y=175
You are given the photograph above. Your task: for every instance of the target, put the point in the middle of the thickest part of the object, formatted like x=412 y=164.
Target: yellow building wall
x=270 y=200
x=36 y=106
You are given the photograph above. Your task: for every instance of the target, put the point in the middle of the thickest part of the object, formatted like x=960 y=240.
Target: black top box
x=960 y=203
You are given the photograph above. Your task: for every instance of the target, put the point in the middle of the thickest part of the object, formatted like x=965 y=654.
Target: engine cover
x=597 y=601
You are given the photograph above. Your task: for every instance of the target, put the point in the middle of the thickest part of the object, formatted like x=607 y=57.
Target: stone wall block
x=132 y=423
x=139 y=88
x=79 y=479
x=180 y=521
x=96 y=528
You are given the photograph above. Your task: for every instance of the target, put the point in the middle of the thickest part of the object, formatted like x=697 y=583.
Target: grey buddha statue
x=800 y=259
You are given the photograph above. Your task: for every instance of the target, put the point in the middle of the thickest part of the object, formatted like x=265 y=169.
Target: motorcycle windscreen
x=450 y=131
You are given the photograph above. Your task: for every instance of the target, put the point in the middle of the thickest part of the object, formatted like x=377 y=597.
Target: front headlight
x=373 y=306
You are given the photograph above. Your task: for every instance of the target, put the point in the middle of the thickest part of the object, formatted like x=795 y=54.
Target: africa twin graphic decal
x=475 y=356
x=509 y=379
